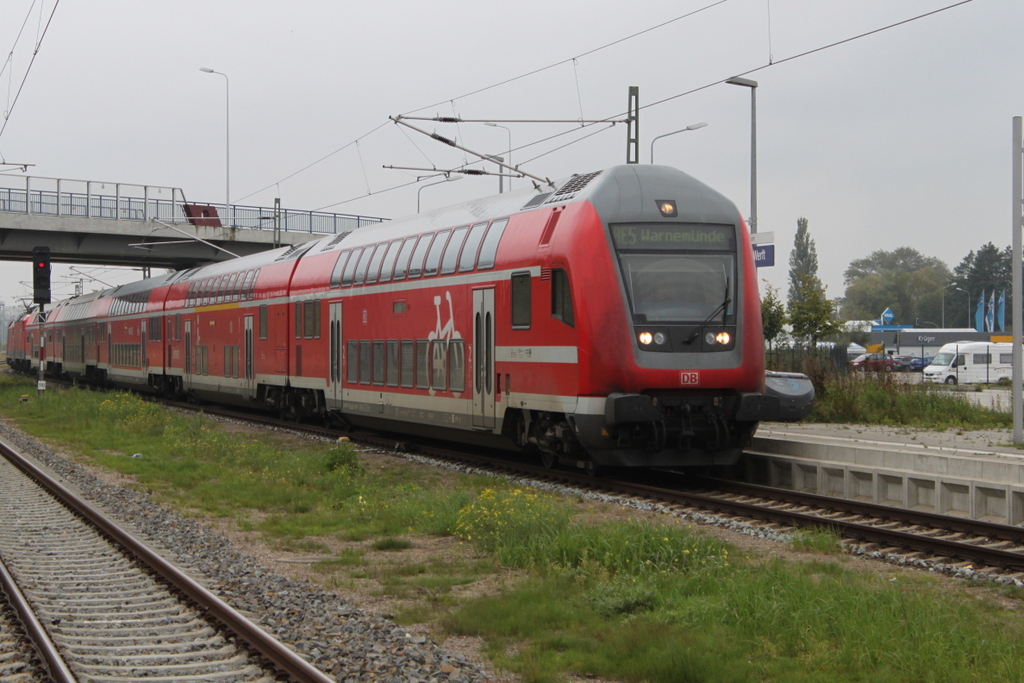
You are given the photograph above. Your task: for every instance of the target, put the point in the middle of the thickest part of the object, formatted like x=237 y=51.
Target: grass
x=625 y=599
x=879 y=398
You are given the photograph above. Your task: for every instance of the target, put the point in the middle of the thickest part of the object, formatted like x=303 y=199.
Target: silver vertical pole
x=1018 y=294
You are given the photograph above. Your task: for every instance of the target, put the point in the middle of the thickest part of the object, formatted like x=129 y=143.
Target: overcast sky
x=899 y=138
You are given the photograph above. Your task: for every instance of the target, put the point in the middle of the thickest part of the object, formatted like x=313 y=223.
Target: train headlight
x=646 y=338
x=659 y=338
x=722 y=337
x=667 y=207
x=709 y=338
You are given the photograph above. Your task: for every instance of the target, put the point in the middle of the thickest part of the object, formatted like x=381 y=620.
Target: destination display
x=673 y=236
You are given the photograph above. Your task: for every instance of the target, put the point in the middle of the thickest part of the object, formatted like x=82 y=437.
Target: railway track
x=927 y=540
x=101 y=606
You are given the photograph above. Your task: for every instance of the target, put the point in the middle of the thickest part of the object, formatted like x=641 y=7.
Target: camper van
x=971 y=363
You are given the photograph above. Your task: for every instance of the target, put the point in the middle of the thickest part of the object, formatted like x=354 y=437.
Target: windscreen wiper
x=723 y=307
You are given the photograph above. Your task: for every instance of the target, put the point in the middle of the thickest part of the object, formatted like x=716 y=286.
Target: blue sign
x=887 y=316
x=764 y=255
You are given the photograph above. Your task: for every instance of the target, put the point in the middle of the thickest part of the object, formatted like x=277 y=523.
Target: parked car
x=903 y=363
x=874 y=361
x=917 y=363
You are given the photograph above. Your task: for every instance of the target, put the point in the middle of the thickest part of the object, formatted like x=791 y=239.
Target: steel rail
x=55 y=664
x=865 y=532
x=285 y=660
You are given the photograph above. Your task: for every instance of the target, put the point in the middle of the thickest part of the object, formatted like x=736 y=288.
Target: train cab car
x=611 y=319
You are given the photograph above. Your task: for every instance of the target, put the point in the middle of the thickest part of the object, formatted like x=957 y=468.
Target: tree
x=803 y=260
x=982 y=271
x=773 y=314
x=904 y=280
x=812 y=314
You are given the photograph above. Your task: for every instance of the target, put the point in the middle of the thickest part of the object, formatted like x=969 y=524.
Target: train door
x=334 y=391
x=249 y=374
x=110 y=346
x=188 y=354
x=144 y=338
x=483 y=358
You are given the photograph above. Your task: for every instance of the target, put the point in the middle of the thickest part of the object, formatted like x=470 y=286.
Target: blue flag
x=1001 y=311
x=979 y=314
x=990 y=315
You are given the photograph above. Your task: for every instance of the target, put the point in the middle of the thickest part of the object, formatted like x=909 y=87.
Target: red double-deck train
x=613 y=321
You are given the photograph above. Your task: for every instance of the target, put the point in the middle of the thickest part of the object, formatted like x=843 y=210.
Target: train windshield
x=677 y=272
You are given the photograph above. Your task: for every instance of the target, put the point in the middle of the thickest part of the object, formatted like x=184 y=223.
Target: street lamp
x=959 y=289
x=449 y=179
x=692 y=126
x=747 y=83
x=501 y=171
x=495 y=125
x=227 y=135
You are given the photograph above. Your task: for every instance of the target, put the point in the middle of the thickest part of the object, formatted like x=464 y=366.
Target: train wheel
x=591 y=468
x=549 y=460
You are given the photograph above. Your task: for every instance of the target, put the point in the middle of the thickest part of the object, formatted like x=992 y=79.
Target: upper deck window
x=350 y=268
x=416 y=264
x=468 y=260
x=389 y=260
x=489 y=249
x=434 y=257
x=402 y=265
x=451 y=252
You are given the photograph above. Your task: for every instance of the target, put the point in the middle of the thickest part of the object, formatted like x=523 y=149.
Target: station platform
x=972 y=474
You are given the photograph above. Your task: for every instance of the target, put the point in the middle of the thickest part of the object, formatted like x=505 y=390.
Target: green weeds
x=619 y=599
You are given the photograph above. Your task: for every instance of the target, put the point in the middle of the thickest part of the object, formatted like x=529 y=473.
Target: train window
x=311 y=320
x=365 y=361
x=561 y=297
x=190 y=295
x=407 y=362
x=378 y=362
x=468 y=260
x=402 y=264
x=350 y=268
x=438 y=371
x=364 y=263
x=252 y=284
x=434 y=257
x=378 y=258
x=155 y=323
x=243 y=285
x=353 y=362
x=339 y=268
x=389 y=260
x=392 y=369
x=416 y=264
x=215 y=291
x=298 y=320
x=232 y=290
x=451 y=253
x=422 y=364
x=489 y=249
x=263 y=321
x=457 y=365
x=521 y=301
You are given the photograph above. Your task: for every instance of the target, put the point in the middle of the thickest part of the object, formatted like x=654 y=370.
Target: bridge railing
x=36 y=195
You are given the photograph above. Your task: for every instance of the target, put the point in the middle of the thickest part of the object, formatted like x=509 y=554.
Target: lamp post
x=960 y=289
x=501 y=171
x=692 y=126
x=227 y=133
x=495 y=125
x=449 y=179
x=747 y=83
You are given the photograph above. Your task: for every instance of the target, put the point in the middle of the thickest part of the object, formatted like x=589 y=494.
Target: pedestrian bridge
x=125 y=224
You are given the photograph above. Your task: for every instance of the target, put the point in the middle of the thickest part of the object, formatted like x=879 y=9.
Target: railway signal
x=41 y=275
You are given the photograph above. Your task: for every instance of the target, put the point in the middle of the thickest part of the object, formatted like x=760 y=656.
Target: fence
x=35 y=195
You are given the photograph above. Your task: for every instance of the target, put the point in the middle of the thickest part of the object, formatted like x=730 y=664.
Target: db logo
x=689 y=378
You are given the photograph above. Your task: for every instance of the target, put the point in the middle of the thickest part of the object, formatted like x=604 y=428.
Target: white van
x=971 y=363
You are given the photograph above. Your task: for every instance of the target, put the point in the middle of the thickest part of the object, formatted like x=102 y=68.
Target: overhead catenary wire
x=35 y=52
x=770 y=63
